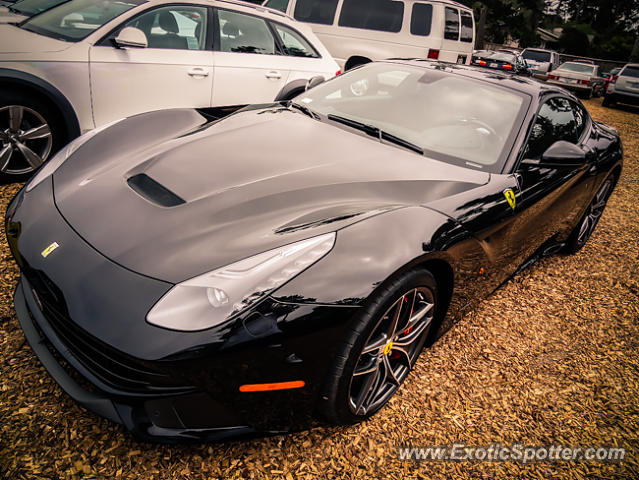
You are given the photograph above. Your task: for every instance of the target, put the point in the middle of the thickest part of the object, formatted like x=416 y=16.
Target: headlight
x=217 y=296
x=59 y=158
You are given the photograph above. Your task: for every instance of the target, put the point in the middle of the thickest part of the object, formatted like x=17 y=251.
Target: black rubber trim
x=297 y=86
x=95 y=403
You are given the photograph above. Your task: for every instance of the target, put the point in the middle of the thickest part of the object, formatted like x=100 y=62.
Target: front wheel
x=586 y=226
x=29 y=134
x=385 y=342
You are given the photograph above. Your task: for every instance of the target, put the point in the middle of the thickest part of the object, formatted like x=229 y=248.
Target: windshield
x=31 y=7
x=631 y=72
x=578 y=67
x=452 y=118
x=72 y=21
x=503 y=57
x=536 y=55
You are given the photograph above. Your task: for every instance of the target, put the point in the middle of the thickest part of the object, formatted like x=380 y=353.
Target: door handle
x=198 y=72
x=275 y=75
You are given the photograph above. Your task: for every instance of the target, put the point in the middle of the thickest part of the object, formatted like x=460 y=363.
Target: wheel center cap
x=388 y=348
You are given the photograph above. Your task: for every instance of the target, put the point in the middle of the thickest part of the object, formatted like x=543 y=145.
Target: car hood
x=253 y=181
x=18 y=40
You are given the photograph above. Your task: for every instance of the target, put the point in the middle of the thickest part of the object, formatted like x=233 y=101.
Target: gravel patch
x=550 y=358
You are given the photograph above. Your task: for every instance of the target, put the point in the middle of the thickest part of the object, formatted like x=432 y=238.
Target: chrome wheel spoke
x=389 y=372
x=377 y=345
x=398 y=312
x=367 y=391
x=43 y=131
x=5 y=156
x=402 y=351
x=408 y=339
x=15 y=117
x=30 y=156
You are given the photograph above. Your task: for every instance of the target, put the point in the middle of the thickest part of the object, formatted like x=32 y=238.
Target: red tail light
x=552 y=77
x=508 y=66
x=433 y=54
x=482 y=63
x=615 y=78
x=338 y=73
x=584 y=82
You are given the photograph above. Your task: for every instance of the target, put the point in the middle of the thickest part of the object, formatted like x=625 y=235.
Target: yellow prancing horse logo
x=388 y=348
x=510 y=196
x=47 y=251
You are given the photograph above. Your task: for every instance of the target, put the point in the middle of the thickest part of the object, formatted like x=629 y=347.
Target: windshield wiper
x=305 y=109
x=376 y=132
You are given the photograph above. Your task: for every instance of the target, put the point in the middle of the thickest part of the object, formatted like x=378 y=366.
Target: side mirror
x=560 y=154
x=131 y=37
x=314 y=82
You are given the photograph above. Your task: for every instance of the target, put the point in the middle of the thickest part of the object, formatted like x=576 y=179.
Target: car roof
x=522 y=84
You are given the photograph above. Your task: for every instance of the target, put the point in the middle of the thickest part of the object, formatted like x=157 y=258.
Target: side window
x=556 y=121
x=467 y=27
x=294 y=44
x=316 y=11
x=380 y=15
x=581 y=119
x=244 y=34
x=451 y=31
x=421 y=19
x=181 y=27
x=280 y=5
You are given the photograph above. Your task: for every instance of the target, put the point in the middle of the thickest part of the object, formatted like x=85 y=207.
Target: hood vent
x=151 y=190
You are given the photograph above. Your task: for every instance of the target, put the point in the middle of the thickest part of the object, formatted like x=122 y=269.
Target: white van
x=359 y=31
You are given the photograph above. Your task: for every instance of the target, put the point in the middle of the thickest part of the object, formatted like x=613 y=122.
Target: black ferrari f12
x=197 y=278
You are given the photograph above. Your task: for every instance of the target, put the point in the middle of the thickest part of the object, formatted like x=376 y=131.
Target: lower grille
x=112 y=367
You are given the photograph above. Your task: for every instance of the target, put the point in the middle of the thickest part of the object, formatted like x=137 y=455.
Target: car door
x=551 y=200
x=174 y=71
x=249 y=67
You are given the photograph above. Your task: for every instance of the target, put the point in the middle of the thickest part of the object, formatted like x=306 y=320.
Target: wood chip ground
x=552 y=357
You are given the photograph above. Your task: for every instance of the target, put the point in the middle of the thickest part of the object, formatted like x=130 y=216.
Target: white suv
x=86 y=63
x=359 y=31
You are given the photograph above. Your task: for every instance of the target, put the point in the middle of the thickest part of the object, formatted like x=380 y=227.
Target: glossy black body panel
x=259 y=179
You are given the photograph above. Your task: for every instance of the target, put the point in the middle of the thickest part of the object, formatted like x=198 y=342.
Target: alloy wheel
x=391 y=350
x=595 y=210
x=25 y=140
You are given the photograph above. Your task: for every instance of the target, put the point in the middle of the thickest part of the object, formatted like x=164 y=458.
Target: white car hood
x=17 y=40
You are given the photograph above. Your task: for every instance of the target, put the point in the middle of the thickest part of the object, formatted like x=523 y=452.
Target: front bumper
x=83 y=315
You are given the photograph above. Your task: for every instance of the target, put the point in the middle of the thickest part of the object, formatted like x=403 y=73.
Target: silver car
x=626 y=88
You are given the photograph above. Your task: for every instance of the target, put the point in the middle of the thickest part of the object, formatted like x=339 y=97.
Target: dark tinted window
x=178 y=27
x=381 y=15
x=452 y=24
x=244 y=33
x=556 y=121
x=280 y=5
x=536 y=55
x=467 y=27
x=421 y=19
x=316 y=11
x=631 y=72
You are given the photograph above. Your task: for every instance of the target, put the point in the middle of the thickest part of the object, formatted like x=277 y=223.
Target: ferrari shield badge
x=510 y=196
x=47 y=251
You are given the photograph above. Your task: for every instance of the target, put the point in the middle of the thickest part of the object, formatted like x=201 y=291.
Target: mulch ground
x=550 y=358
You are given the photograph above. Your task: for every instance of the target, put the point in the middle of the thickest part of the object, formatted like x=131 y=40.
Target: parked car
x=23 y=9
x=360 y=31
x=541 y=60
x=509 y=62
x=611 y=77
x=85 y=63
x=582 y=78
x=625 y=88
x=292 y=259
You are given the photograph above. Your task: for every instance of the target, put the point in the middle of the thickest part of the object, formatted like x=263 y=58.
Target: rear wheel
x=384 y=345
x=30 y=132
x=585 y=228
x=608 y=101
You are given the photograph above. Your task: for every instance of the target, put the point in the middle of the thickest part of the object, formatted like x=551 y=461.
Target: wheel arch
x=48 y=92
x=356 y=60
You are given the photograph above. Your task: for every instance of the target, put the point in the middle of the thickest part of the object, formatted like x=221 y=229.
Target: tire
x=31 y=131
x=588 y=223
x=608 y=102
x=347 y=379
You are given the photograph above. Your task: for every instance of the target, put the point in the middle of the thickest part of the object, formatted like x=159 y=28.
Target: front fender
x=370 y=252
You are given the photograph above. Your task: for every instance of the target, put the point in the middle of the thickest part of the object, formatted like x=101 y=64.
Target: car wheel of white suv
x=29 y=135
